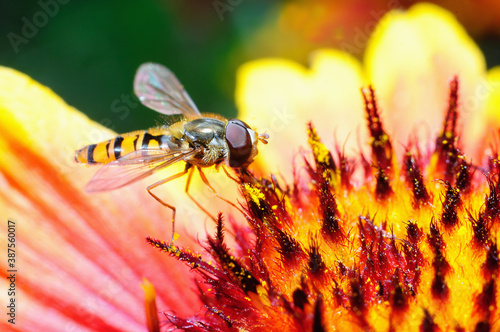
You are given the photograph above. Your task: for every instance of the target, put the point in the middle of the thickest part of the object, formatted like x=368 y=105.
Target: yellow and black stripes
x=108 y=151
x=117 y=147
x=150 y=141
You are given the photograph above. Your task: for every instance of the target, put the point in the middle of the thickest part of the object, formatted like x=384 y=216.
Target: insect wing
x=159 y=89
x=134 y=167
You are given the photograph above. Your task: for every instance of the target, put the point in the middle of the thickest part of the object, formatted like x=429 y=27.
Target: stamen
x=492 y=201
x=491 y=266
x=150 y=303
x=318 y=324
x=325 y=165
x=449 y=216
x=428 y=323
x=447 y=142
x=415 y=180
x=439 y=288
x=399 y=300
x=485 y=302
x=380 y=141
x=233 y=268
x=383 y=188
x=481 y=230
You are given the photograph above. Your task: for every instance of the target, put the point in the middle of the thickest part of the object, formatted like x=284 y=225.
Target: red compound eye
x=239 y=142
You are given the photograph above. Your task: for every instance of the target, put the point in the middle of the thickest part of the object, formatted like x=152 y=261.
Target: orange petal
x=80 y=257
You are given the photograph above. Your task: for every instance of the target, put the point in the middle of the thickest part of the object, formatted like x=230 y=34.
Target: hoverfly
x=198 y=140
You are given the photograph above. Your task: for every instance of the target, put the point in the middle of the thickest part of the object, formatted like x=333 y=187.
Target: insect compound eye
x=240 y=143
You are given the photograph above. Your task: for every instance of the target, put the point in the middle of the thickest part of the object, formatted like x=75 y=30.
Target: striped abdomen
x=108 y=151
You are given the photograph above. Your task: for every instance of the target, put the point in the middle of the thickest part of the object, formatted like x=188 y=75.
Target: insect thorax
x=209 y=134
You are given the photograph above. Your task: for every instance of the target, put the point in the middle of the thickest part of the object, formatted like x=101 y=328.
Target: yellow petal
x=410 y=59
x=280 y=97
x=493 y=94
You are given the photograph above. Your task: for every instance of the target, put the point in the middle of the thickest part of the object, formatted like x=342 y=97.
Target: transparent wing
x=134 y=167
x=158 y=88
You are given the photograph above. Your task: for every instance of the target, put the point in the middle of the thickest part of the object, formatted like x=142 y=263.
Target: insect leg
x=159 y=183
x=188 y=182
x=229 y=175
x=207 y=183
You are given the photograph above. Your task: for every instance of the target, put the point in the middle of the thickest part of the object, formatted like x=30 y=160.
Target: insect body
x=198 y=140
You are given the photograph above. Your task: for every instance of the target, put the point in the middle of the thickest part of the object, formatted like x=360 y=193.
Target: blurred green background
x=88 y=51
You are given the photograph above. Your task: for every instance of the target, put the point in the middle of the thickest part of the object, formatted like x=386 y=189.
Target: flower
x=408 y=57
x=401 y=237
x=413 y=248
